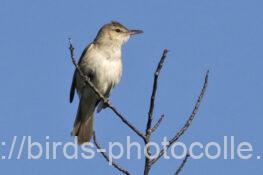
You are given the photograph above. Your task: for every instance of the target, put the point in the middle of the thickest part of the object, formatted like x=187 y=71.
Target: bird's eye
x=118 y=30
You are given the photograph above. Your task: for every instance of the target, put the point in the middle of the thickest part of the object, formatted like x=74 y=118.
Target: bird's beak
x=134 y=32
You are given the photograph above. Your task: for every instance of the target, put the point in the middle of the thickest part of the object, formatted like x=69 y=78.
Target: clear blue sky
x=223 y=36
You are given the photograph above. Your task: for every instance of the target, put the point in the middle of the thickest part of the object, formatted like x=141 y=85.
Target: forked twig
x=152 y=101
x=148 y=130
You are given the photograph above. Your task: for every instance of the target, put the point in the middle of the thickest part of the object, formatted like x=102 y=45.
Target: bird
x=101 y=62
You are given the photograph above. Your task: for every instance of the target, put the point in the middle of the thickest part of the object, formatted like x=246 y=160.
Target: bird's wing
x=73 y=84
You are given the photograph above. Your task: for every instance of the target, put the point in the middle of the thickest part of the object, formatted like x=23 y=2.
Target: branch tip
x=182 y=165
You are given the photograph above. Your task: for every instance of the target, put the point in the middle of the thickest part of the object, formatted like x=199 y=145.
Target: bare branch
x=188 y=122
x=147 y=165
x=96 y=91
x=157 y=124
x=149 y=129
x=115 y=165
x=182 y=165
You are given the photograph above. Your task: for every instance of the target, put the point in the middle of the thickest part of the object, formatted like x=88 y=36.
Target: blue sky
x=222 y=36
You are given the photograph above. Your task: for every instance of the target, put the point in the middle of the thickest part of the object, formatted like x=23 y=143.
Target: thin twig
x=147 y=166
x=188 y=122
x=155 y=83
x=96 y=91
x=157 y=124
x=182 y=165
x=115 y=165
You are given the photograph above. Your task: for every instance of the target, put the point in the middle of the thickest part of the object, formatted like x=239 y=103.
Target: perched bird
x=101 y=62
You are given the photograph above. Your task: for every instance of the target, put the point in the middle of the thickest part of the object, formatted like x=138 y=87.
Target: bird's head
x=115 y=33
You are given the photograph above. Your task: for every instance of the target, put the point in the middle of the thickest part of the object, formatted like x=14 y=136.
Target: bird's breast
x=107 y=69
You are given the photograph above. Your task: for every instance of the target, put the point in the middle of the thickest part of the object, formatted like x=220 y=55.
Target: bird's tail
x=83 y=126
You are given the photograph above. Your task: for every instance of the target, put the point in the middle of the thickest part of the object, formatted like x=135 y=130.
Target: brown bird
x=101 y=62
